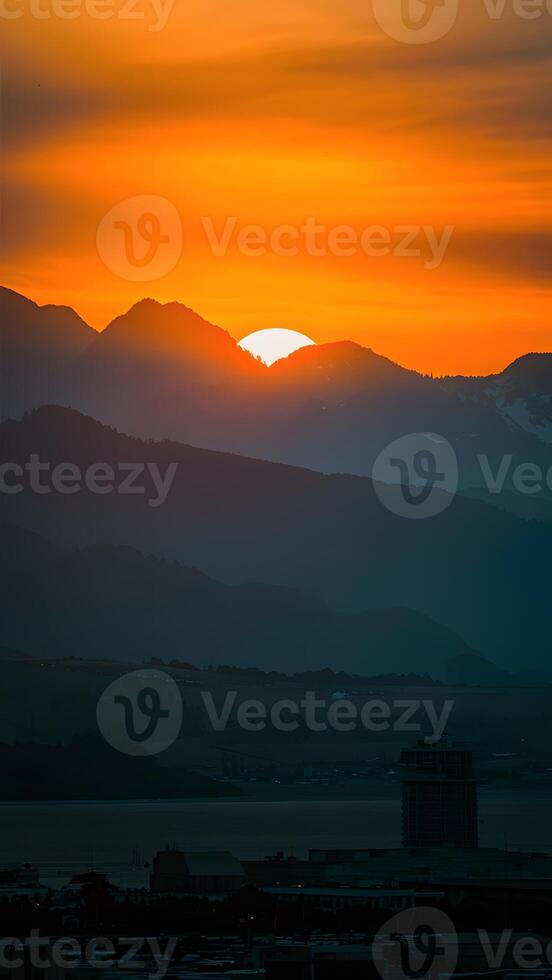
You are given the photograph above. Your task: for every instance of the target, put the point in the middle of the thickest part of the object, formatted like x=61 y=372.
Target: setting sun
x=272 y=345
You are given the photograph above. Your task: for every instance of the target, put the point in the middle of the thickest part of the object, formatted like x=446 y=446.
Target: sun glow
x=271 y=345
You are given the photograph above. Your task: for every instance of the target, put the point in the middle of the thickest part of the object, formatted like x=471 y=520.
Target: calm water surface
x=65 y=837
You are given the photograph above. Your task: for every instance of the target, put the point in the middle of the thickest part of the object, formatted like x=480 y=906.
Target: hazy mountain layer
x=481 y=572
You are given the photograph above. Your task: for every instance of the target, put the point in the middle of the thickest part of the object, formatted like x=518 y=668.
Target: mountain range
x=163 y=372
x=480 y=572
x=112 y=602
x=272 y=547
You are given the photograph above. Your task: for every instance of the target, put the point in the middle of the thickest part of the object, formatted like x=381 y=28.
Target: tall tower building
x=439 y=796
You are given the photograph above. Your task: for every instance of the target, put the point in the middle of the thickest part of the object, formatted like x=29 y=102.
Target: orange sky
x=274 y=111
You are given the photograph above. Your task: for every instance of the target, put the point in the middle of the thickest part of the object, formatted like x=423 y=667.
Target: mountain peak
x=173 y=331
x=534 y=368
x=38 y=343
x=341 y=368
x=28 y=327
x=148 y=317
x=148 y=305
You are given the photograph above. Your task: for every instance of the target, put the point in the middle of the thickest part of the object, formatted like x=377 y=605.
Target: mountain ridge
x=332 y=408
x=74 y=602
x=480 y=572
x=152 y=304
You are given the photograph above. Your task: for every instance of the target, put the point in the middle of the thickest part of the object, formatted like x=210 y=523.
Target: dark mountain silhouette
x=337 y=420
x=161 y=371
x=37 y=346
x=335 y=371
x=522 y=394
x=172 y=332
x=164 y=357
x=115 y=603
x=481 y=572
x=175 y=368
x=530 y=372
x=473 y=671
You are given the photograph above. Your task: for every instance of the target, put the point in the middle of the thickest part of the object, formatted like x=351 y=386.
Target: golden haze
x=272 y=112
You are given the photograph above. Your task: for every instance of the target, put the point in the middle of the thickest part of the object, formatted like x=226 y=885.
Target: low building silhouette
x=196 y=873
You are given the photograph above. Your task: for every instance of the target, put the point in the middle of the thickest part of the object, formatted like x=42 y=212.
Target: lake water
x=62 y=838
